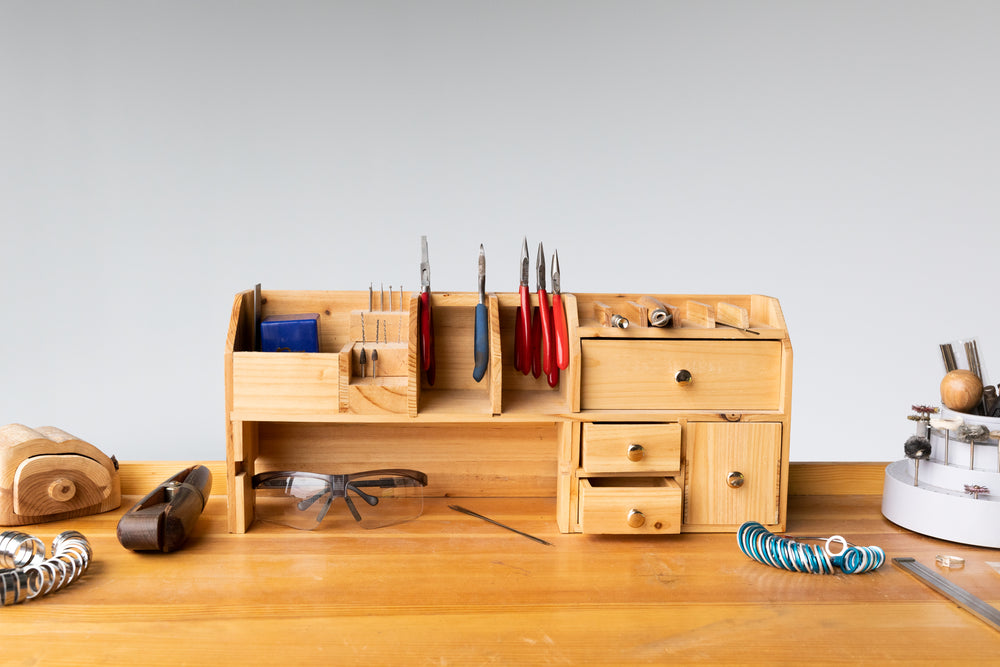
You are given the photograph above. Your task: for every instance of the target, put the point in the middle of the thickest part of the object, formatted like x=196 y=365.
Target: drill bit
x=375 y=350
x=364 y=356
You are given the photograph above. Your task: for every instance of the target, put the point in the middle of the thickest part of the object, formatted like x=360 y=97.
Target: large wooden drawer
x=622 y=448
x=643 y=374
x=630 y=505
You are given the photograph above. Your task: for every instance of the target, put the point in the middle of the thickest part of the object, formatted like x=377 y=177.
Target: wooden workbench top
x=451 y=589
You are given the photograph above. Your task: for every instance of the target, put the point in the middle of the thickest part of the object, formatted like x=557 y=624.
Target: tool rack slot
x=455 y=391
x=526 y=394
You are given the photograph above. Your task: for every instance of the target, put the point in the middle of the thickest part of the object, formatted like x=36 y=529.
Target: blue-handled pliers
x=482 y=340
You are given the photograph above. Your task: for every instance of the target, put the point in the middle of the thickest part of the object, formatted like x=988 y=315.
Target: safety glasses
x=375 y=498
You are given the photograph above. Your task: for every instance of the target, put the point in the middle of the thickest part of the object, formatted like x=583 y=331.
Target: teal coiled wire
x=786 y=553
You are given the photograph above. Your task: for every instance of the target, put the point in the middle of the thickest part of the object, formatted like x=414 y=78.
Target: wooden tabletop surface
x=449 y=589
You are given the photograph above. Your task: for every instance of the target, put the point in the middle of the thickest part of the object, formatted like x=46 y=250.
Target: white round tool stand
x=953 y=495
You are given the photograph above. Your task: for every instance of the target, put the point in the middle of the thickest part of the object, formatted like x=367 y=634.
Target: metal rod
x=458 y=508
x=975 y=606
x=948 y=356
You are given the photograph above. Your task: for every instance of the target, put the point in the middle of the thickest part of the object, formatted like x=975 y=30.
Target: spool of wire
x=788 y=553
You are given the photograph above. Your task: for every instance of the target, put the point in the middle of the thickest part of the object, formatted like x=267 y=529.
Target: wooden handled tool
x=164 y=519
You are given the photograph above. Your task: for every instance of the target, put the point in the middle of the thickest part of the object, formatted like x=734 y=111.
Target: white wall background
x=158 y=157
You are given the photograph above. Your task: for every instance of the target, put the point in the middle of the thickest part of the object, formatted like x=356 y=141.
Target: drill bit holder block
x=670 y=426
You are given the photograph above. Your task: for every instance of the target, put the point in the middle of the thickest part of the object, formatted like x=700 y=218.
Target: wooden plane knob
x=62 y=490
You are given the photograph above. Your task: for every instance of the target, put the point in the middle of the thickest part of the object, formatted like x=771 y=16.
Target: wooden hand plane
x=164 y=519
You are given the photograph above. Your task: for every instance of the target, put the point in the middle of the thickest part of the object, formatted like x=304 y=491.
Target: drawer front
x=718 y=375
x=631 y=447
x=630 y=505
x=285 y=386
x=733 y=473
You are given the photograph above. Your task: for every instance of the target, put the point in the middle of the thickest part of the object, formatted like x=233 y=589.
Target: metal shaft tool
x=544 y=314
x=426 y=315
x=482 y=341
x=458 y=508
x=975 y=606
x=559 y=325
x=522 y=333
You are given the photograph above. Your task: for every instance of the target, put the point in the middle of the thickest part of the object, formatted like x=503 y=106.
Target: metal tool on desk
x=544 y=341
x=426 y=315
x=522 y=327
x=559 y=325
x=975 y=606
x=164 y=519
x=482 y=339
x=459 y=508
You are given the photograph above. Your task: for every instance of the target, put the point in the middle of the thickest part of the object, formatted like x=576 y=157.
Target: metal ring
x=838 y=539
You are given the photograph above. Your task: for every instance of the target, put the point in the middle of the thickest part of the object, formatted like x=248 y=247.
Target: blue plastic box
x=290 y=333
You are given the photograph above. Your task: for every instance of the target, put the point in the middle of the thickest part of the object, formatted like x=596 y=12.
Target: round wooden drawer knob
x=636 y=518
x=683 y=377
x=735 y=479
x=635 y=453
x=62 y=490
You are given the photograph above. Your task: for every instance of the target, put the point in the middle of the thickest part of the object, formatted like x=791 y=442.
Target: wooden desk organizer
x=47 y=474
x=650 y=430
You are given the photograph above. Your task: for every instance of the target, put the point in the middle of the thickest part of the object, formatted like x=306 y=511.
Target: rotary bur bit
x=917 y=447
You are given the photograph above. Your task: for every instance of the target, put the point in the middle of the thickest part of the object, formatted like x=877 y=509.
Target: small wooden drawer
x=646 y=374
x=631 y=447
x=630 y=505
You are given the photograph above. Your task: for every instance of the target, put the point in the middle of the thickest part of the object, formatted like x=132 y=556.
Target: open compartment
x=310 y=386
x=751 y=316
x=454 y=389
x=524 y=393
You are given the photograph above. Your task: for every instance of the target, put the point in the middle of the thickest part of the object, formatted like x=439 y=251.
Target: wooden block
x=391 y=360
x=734 y=316
x=698 y=314
x=374 y=396
x=390 y=327
x=606 y=317
x=636 y=313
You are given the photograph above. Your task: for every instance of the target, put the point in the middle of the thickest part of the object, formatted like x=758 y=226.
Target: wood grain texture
x=449 y=589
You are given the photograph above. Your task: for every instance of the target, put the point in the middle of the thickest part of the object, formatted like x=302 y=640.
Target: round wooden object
x=961 y=390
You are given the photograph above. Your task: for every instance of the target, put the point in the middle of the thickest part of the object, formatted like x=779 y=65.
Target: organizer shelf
x=649 y=430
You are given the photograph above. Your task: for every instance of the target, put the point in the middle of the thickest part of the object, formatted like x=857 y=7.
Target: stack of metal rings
x=27 y=573
x=787 y=553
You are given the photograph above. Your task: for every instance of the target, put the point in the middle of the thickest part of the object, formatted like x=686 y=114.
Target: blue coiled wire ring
x=788 y=553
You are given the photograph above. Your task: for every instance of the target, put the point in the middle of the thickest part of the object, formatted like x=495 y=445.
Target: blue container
x=290 y=333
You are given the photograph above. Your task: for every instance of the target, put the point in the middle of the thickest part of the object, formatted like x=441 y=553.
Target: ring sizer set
x=27 y=573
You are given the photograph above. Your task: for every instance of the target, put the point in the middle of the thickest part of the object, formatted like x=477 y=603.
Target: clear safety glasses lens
x=373 y=501
x=299 y=502
x=383 y=500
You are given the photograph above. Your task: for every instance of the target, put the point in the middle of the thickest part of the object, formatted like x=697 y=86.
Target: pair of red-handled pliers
x=559 y=326
x=426 y=316
x=522 y=327
x=544 y=342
